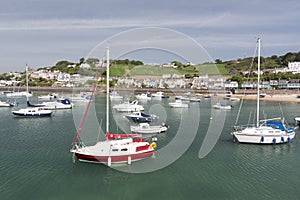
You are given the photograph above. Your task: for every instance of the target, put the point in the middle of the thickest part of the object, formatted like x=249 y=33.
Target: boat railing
x=272 y=119
x=242 y=127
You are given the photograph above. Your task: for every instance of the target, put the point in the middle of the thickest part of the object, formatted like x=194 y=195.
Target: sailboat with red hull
x=117 y=148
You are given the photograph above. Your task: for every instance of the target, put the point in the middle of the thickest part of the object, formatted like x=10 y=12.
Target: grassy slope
x=144 y=70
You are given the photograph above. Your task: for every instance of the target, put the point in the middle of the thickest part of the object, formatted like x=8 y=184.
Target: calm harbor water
x=36 y=162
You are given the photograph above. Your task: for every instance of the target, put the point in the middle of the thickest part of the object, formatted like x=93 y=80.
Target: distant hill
x=131 y=68
x=271 y=62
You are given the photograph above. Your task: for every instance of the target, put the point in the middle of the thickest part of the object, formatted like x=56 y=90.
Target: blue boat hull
x=140 y=119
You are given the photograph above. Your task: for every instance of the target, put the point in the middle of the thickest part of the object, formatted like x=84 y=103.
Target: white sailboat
x=19 y=94
x=117 y=148
x=31 y=112
x=267 y=131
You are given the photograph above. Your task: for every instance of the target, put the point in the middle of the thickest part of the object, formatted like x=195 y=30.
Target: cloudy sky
x=42 y=32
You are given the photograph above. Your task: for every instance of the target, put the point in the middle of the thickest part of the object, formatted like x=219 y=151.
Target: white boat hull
x=148 y=129
x=267 y=139
x=265 y=135
x=178 y=104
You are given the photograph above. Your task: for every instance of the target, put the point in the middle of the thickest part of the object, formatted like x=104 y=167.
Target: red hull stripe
x=114 y=159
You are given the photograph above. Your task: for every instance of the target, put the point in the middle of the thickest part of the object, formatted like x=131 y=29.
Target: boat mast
x=258 y=83
x=107 y=90
x=27 y=82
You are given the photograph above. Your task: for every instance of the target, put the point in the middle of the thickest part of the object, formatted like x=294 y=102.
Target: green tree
x=81 y=60
x=218 y=61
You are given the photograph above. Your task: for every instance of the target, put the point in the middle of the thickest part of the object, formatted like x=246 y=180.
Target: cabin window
x=115 y=150
x=125 y=149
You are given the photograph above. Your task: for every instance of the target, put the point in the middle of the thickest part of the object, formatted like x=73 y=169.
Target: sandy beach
x=275 y=97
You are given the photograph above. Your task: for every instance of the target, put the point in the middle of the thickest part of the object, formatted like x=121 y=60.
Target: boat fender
x=262 y=139
x=274 y=140
x=153 y=145
x=289 y=139
x=282 y=139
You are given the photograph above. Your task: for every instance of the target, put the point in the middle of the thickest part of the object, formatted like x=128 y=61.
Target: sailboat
x=31 y=112
x=117 y=148
x=266 y=131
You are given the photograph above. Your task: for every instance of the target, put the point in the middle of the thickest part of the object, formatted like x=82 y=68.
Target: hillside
x=271 y=62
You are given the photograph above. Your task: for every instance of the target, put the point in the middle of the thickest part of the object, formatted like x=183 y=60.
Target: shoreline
x=275 y=97
x=272 y=95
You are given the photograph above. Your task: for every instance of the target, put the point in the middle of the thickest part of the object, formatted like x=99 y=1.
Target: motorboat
x=6 y=104
x=114 y=96
x=141 y=117
x=222 y=106
x=32 y=112
x=178 y=104
x=262 y=95
x=144 y=96
x=47 y=97
x=182 y=98
x=129 y=106
x=82 y=97
x=146 y=128
x=158 y=95
x=228 y=94
x=194 y=99
x=234 y=99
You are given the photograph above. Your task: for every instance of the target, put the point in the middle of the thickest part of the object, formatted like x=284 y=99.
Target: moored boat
x=222 y=106
x=141 y=117
x=114 y=96
x=117 y=148
x=6 y=104
x=32 y=112
x=267 y=131
x=145 y=128
x=144 y=96
x=19 y=94
x=129 y=106
x=47 y=97
x=178 y=104
x=53 y=105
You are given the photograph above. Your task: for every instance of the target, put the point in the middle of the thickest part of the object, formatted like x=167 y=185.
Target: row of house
x=152 y=83
x=293 y=67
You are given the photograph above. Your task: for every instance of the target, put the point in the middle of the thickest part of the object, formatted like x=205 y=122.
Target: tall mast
x=258 y=83
x=26 y=82
x=107 y=90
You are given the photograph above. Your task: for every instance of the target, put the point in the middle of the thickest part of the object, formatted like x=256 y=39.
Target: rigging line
x=100 y=125
x=248 y=78
x=282 y=114
x=88 y=105
x=249 y=119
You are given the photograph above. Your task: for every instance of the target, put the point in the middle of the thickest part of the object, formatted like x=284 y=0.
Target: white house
x=294 y=67
x=85 y=65
x=165 y=76
x=63 y=77
x=231 y=84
